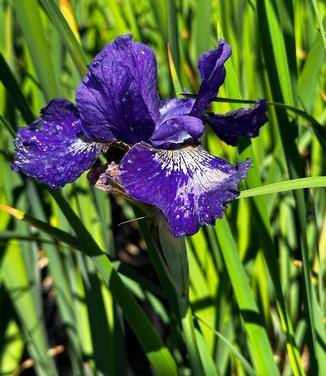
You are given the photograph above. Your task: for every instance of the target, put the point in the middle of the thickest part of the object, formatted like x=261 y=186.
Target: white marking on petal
x=80 y=146
x=195 y=165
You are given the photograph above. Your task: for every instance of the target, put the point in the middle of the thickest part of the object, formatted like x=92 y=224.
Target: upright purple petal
x=189 y=185
x=171 y=108
x=118 y=98
x=145 y=67
x=212 y=73
x=52 y=149
x=242 y=122
x=175 y=126
x=176 y=131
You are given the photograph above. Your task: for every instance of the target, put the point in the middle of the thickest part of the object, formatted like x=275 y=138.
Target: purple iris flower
x=162 y=162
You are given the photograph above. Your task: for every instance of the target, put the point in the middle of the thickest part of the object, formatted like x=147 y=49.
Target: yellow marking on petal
x=12 y=211
x=69 y=15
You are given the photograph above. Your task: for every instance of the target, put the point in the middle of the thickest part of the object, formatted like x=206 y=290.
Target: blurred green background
x=78 y=302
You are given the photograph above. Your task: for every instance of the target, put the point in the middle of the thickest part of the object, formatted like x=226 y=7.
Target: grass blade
x=259 y=344
x=173 y=33
x=232 y=348
x=10 y=83
x=284 y=186
x=155 y=350
x=279 y=79
x=30 y=21
x=66 y=34
x=320 y=21
x=18 y=286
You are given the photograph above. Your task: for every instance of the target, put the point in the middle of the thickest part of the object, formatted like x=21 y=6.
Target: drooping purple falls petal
x=118 y=98
x=52 y=149
x=242 y=122
x=212 y=73
x=189 y=185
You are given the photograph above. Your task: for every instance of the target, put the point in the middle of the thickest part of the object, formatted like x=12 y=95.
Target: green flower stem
x=177 y=269
x=171 y=265
x=188 y=330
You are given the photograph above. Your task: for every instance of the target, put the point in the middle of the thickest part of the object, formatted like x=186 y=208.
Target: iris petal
x=171 y=108
x=175 y=126
x=176 y=131
x=189 y=185
x=118 y=98
x=52 y=149
x=212 y=72
x=242 y=122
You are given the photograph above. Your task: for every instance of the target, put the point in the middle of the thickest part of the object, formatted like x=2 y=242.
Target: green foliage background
x=257 y=278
